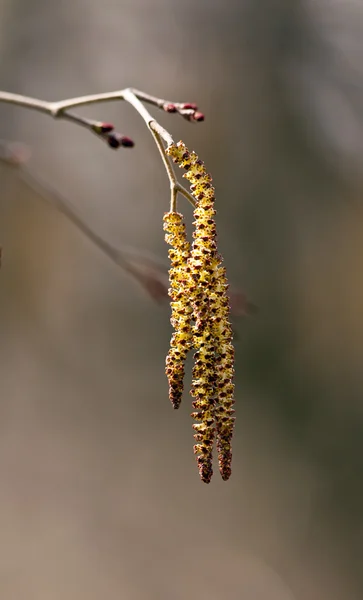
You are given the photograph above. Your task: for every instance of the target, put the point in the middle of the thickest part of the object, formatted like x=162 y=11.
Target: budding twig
x=105 y=131
x=59 y=110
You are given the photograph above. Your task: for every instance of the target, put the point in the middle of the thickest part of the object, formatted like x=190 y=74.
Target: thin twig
x=27 y=102
x=59 y=110
x=182 y=190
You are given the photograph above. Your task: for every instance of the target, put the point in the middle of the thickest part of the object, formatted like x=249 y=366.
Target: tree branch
x=58 y=110
x=105 y=131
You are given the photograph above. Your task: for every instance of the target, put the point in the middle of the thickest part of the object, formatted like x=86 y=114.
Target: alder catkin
x=207 y=288
x=181 y=310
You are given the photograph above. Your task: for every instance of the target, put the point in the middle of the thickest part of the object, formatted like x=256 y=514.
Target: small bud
x=106 y=127
x=198 y=116
x=127 y=142
x=115 y=140
x=188 y=106
x=169 y=107
x=101 y=127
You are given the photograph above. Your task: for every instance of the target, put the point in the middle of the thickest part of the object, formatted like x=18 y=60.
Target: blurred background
x=99 y=494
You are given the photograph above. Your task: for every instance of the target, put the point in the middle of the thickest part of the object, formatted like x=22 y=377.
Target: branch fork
x=106 y=131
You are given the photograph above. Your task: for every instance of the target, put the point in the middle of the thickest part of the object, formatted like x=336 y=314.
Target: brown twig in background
x=148 y=270
x=150 y=273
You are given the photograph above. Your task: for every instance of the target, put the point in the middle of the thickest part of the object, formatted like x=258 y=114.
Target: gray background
x=99 y=491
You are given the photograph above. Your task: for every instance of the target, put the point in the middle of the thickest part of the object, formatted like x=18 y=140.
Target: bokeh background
x=99 y=491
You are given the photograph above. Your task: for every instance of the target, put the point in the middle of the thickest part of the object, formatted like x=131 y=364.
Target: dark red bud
x=101 y=128
x=127 y=142
x=170 y=108
x=198 y=116
x=189 y=106
x=115 y=140
x=106 y=127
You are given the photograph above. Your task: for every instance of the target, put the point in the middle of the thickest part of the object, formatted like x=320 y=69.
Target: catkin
x=181 y=310
x=212 y=386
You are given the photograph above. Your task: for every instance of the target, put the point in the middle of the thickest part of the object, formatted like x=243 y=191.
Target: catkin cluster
x=200 y=316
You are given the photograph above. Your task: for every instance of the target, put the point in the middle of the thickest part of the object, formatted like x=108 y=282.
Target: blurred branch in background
x=149 y=271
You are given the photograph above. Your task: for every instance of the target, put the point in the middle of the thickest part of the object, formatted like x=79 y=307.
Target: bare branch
x=105 y=131
x=58 y=110
x=33 y=103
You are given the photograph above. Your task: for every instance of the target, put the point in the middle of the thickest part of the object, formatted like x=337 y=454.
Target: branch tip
x=188 y=106
x=169 y=107
x=115 y=140
x=101 y=128
x=198 y=116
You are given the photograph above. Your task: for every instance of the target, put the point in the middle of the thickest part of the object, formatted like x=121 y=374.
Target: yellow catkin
x=181 y=310
x=213 y=372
